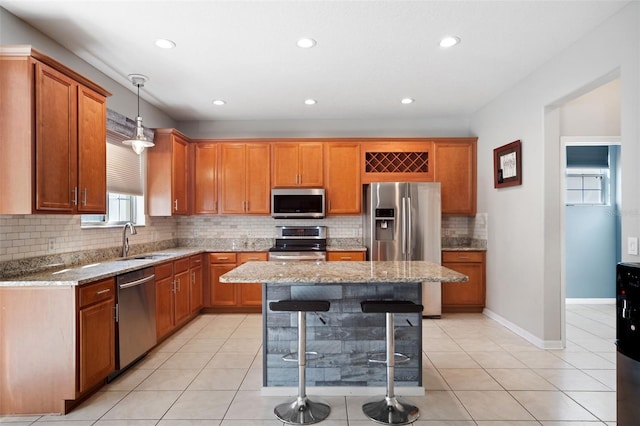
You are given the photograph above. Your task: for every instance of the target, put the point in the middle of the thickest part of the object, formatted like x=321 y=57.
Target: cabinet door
x=56 y=141
x=222 y=294
x=179 y=187
x=258 y=182
x=310 y=164
x=205 y=182
x=92 y=151
x=469 y=293
x=232 y=178
x=342 y=178
x=97 y=343
x=455 y=169
x=250 y=293
x=181 y=283
x=285 y=164
x=195 y=289
x=164 y=306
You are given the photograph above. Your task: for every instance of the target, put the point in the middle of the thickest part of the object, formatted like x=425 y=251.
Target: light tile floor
x=476 y=372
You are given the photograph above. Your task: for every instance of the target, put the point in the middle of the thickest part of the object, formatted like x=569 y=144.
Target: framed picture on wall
x=507 y=165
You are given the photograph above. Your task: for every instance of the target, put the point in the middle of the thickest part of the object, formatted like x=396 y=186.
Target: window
x=585 y=188
x=125 y=195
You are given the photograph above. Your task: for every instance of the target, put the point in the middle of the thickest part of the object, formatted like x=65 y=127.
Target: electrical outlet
x=51 y=245
x=632 y=245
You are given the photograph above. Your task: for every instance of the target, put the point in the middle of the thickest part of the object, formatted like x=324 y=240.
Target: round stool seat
x=300 y=306
x=390 y=306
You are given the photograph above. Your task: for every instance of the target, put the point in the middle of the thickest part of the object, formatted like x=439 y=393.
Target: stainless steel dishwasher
x=135 y=315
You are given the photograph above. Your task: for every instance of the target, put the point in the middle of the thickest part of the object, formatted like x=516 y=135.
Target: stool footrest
x=293 y=356
x=381 y=358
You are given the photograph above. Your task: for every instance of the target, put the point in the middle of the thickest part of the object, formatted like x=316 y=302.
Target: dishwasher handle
x=137 y=282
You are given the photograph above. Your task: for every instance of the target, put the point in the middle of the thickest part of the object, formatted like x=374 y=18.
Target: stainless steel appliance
x=135 y=315
x=628 y=343
x=297 y=203
x=402 y=221
x=299 y=243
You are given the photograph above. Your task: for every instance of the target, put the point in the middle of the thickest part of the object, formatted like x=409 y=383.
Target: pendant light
x=139 y=141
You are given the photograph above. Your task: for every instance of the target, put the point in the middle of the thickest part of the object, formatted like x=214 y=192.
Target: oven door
x=289 y=256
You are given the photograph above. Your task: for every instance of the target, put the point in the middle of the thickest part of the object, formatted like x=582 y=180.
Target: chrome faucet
x=125 y=240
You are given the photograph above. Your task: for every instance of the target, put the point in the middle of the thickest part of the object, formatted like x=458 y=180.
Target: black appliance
x=628 y=343
x=299 y=243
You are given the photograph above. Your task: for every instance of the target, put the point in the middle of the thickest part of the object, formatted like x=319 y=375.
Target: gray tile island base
x=344 y=338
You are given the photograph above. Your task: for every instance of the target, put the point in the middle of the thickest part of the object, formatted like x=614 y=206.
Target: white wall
x=14 y=31
x=524 y=266
x=452 y=126
x=596 y=113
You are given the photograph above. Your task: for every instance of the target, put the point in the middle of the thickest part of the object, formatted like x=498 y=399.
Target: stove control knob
x=633 y=327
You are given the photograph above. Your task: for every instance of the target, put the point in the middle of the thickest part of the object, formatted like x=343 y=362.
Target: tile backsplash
x=32 y=236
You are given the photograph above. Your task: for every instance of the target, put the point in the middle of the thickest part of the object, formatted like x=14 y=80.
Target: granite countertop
x=464 y=249
x=341 y=272
x=78 y=275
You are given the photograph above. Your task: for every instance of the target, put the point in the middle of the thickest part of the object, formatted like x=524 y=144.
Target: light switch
x=632 y=245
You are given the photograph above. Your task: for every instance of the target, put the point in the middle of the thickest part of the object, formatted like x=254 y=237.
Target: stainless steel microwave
x=297 y=203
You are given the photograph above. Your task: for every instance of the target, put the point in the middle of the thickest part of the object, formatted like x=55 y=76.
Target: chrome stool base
x=391 y=411
x=302 y=411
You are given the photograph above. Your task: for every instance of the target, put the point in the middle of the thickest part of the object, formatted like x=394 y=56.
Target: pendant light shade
x=139 y=141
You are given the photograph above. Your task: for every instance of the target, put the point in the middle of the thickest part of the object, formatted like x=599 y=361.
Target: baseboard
x=590 y=301
x=341 y=390
x=543 y=344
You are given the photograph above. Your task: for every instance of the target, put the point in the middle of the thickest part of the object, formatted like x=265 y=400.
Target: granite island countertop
x=341 y=272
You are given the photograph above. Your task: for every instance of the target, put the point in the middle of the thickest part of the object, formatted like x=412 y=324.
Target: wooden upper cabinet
x=244 y=178
x=53 y=150
x=297 y=164
x=455 y=169
x=92 y=151
x=342 y=177
x=205 y=199
x=397 y=160
x=167 y=179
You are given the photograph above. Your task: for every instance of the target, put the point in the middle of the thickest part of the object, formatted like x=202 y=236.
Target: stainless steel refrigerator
x=402 y=221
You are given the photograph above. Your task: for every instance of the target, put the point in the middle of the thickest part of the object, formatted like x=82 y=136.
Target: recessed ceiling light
x=165 y=44
x=219 y=102
x=310 y=102
x=407 y=100
x=306 y=43
x=449 y=41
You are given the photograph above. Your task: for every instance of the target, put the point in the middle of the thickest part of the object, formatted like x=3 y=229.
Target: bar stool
x=301 y=411
x=391 y=410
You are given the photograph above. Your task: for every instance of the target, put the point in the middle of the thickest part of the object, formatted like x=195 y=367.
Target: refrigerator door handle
x=409 y=227
x=404 y=225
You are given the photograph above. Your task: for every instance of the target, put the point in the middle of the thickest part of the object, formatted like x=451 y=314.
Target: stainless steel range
x=299 y=243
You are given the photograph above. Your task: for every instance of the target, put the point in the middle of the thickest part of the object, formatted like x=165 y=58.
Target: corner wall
x=524 y=265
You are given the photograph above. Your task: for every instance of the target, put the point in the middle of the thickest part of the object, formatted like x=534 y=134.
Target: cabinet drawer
x=462 y=256
x=164 y=270
x=251 y=257
x=195 y=261
x=222 y=258
x=92 y=293
x=181 y=265
x=345 y=256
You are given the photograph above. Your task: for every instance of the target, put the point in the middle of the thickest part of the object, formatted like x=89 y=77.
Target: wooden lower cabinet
x=233 y=297
x=173 y=296
x=468 y=296
x=96 y=333
x=195 y=286
x=345 y=255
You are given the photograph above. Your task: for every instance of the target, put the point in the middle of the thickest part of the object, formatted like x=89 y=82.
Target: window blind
x=588 y=157
x=124 y=166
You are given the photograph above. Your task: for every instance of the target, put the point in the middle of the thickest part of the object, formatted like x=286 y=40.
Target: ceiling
x=369 y=54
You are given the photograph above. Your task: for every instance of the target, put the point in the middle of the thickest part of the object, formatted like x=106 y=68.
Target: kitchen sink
x=152 y=256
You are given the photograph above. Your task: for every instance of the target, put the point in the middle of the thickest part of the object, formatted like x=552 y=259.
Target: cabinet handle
x=193 y=278
x=345 y=257
x=175 y=205
x=106 y=290
x=223 y=258
x=463 y=257
x=75 y=196
x=84 y=197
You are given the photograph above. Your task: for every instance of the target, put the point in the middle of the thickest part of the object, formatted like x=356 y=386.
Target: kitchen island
x=344 y=338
